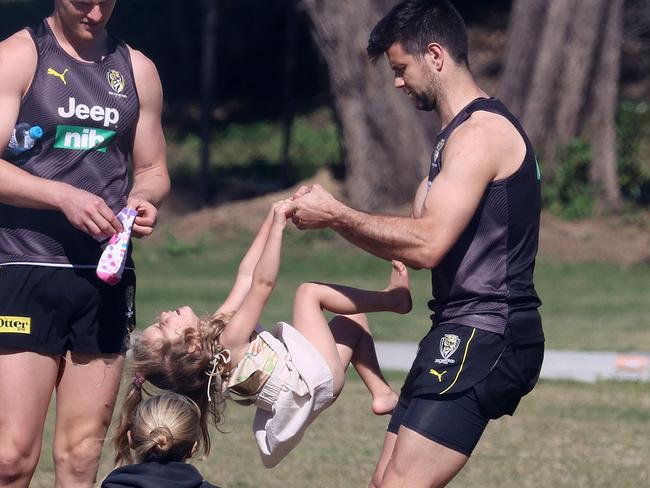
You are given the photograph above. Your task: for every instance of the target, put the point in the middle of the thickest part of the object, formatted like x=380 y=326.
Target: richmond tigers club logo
x=115 y=80
x=449 y=344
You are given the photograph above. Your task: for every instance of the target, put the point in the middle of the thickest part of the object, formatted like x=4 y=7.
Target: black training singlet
x=88 y=112
x=488 y=273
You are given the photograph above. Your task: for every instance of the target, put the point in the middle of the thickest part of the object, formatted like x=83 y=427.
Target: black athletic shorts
x=492 y=386
x=53 y=310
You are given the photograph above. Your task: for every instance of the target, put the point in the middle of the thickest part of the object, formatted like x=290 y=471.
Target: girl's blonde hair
x=164 y=428
x=183 y=366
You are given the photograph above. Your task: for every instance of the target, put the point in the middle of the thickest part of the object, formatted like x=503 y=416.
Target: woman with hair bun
x=163 y=432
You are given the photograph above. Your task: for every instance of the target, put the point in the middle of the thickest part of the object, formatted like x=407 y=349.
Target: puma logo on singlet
x=61 y=76
x=438 y=375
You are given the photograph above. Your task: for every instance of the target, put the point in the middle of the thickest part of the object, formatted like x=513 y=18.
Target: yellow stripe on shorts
x=469 y=341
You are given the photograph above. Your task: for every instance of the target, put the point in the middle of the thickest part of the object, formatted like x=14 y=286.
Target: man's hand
x=147 y=215
x=301 y=191
x=313 y=208
x=88 y=213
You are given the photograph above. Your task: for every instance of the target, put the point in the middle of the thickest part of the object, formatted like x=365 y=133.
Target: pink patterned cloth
x=111 y=263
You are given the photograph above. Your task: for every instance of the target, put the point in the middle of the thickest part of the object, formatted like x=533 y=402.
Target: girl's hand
x=281 y=202
x=280 y=210
x=279 y=216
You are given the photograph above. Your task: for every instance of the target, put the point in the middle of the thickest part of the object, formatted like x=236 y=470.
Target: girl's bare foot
x=385 y=403
x=399 y=288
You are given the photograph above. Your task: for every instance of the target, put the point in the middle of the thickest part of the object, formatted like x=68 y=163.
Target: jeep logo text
x=99 y=114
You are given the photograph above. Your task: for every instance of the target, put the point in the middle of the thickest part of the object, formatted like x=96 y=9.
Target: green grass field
x=585 y=306
x=564 y=434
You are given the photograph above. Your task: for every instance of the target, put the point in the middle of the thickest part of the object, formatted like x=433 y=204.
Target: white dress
x=299 y=388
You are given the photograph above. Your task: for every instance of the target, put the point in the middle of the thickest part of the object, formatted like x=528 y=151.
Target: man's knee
x=17 y=460
x=399 y=473
x=395 y=470
x=78 y=459
x=434 y=472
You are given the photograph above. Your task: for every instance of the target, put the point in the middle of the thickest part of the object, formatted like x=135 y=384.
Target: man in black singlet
x=61 y=328
x=475 y=225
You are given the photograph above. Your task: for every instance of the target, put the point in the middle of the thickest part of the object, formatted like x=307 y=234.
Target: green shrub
x=314 y=144
x=569 y=193
x=253 y=150
x=633 y=141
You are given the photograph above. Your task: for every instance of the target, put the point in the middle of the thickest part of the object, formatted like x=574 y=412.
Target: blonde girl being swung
x=292 y=374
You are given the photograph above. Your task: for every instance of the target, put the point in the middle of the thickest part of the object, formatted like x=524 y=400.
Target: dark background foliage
x=250 y=51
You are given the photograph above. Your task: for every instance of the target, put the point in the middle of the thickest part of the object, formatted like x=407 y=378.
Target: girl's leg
x=308 y=318
x=347 y=329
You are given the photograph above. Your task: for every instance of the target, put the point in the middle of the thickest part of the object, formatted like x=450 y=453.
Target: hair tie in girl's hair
x=218 y=364
x=138 y=380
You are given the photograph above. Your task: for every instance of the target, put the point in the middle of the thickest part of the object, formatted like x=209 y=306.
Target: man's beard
x=425 y=102
x=428 y=99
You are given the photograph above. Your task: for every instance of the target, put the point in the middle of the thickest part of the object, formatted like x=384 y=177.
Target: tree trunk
x=579 y=59
x=538 y=115
x=207 y=87
x=602 y=127
x=561 y=80
x=525 y=28
x=386 y=142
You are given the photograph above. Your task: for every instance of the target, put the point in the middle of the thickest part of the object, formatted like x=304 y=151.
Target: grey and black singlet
x=88 y=112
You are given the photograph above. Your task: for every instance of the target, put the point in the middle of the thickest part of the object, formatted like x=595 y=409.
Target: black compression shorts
x=457 y=420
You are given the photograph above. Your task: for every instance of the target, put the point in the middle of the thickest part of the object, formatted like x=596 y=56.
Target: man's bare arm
x=468 y=167
x=17 y=67
x=85 y=211
x=150 y=175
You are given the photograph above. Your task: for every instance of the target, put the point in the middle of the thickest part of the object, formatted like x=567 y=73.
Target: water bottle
x=23 y=139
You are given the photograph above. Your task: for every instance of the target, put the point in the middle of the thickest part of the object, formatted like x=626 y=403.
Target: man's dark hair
x=417 y=23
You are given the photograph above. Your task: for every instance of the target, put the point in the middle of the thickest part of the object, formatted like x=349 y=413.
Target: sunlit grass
x=564 y=434
x=585 y=306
